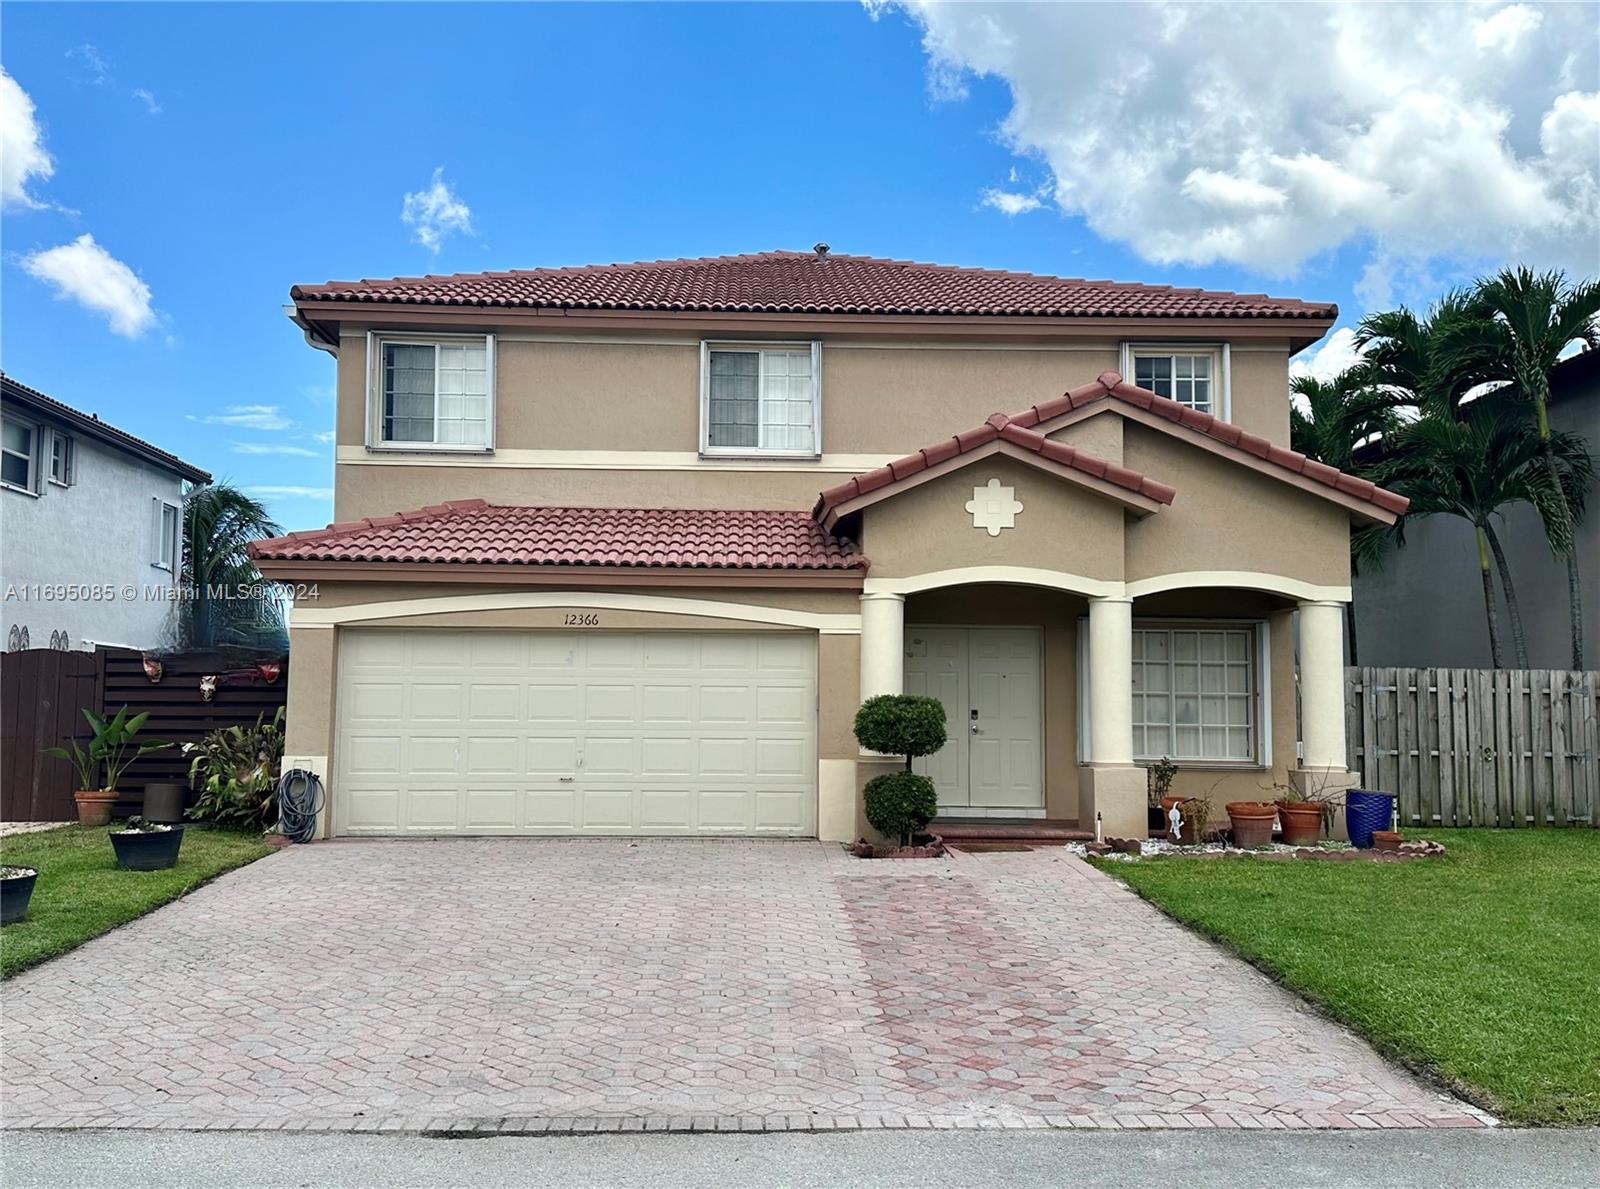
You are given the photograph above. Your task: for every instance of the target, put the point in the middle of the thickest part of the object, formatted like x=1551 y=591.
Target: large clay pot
x=94 y=806
x=1302 y=822
x=1252 y=823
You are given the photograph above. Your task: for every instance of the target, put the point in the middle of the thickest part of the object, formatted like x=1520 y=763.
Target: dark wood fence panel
x=42 y=693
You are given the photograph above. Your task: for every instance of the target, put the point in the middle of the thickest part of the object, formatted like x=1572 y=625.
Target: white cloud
x=1331 y=357
x=325 y=437
x=1263 y=135
x=22 y=152
x=1009 y=202
x=436 y=212
x=96 y=69
x=292 y=492
x=151 y=104
x=263 y=417
x=274 y=448
x=88 y=274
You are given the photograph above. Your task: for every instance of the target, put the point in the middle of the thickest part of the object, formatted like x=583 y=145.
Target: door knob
x=975 y=728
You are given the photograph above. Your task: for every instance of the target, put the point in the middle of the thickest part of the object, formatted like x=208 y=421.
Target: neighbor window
x=16 y=454
x=761 y=399
x=1194 y=693
x=164 y=523
x=61 y=459
x=433 y=394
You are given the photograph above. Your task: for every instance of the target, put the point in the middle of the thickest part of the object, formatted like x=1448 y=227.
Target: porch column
x=883 y=644
x=1322 y=686
x=1111 y=681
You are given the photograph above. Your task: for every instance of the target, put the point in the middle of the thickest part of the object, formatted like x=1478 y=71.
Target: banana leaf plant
x=112 y=747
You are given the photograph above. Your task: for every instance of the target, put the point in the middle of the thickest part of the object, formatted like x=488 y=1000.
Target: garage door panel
x=576 y=733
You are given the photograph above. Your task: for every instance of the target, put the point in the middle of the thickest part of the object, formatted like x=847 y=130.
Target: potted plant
x=146 y=846
x=1305 y=815
x=899 y=804
x=16 y=889
x=235 y=770
x=1158 y=783
x=111 y=746
x=1252 y=823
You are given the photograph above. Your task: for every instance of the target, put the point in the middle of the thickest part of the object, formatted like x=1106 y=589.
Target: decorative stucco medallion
x=994 y=507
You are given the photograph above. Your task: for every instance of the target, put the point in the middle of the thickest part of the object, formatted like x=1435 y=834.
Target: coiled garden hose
x=299 y=802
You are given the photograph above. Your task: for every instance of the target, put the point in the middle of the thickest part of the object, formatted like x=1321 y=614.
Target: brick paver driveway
x=526 y=984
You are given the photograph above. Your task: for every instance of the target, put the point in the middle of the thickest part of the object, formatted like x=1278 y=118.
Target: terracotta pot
x=1252 y=822
x=94 y=806
x=1388 y=840
x=1302 y=822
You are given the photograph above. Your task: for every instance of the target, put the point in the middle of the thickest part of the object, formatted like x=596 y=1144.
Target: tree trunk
x=1575 y=607
x=1496 y=656
x=1574 y=587
x=1519 y=639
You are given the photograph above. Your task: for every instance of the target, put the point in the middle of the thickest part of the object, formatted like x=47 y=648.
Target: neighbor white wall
x=96 y=532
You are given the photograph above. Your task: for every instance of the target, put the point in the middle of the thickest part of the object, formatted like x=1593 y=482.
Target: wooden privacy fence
x=1478 y=747
x=43 y=690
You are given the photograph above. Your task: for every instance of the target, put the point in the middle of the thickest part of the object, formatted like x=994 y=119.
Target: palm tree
x=1338 y=416
x=227 y=602
x=1473 y=462
x=1520 y=324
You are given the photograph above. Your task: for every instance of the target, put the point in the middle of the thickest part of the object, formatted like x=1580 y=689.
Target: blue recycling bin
x=1365 y=812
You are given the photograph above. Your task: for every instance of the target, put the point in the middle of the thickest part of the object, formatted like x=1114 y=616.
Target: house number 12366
x=581 y=619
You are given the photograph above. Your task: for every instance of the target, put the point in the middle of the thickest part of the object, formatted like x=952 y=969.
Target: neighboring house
x=1422 y=607
x=91 y=520
x=623 y=548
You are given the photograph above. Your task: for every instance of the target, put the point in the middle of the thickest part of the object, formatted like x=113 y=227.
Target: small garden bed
x=82 y=893
x=1478 y=966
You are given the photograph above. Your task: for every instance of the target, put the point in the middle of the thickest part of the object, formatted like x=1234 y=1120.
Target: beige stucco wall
x=641 y=393
x=1229 y=517
x=1061 y=526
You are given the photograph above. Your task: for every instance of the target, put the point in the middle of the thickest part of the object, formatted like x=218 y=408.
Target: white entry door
x=989 y=682
x=590 y=732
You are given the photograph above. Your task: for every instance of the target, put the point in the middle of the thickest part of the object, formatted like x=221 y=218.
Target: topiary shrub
x=900 y=803
x=901 y=724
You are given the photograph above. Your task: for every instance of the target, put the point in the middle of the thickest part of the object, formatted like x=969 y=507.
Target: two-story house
x=621 y=549
x=92 y=523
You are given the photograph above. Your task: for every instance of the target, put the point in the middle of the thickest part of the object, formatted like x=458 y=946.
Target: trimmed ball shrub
x=901 y=724
x=899 y=804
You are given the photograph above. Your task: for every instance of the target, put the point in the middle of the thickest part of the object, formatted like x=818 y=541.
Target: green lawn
x=1482 y=966
x=82 y=893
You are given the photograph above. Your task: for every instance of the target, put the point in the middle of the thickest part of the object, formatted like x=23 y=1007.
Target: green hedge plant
x=898 y=804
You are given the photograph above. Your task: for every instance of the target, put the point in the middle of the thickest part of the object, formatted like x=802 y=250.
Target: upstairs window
x=61 y=459
x=17 y=443
x=1186 y=377
x=432 y=394
x=164 y=530
x=761 y=399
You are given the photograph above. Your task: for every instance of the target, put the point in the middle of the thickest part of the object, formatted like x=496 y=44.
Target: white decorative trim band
x=1102 y=588
x=364 y=613
x=1293 y=588
x=612 y=460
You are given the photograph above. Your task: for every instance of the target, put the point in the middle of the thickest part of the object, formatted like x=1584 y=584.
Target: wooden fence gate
x=1478 y=747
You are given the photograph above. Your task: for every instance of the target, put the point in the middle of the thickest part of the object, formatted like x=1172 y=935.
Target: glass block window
x=1194 y=694
x=1186 y=379
x=761 y=400
x=435 y=394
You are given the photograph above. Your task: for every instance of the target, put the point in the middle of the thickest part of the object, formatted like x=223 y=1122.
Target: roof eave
x=524 y=574
x=108 y=435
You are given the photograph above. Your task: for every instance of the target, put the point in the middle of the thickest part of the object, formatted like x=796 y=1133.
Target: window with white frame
x=164 y=530
x=60 y=459
x=1188 y=377
x=1194 y=691
x=432 y=393
x=18 y=442
x=761 y=399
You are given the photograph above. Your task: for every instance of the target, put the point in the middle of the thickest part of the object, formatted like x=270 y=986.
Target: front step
x=1032 y=831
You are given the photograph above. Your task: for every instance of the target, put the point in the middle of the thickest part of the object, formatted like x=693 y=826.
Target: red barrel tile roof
x=997 y=426
x=1111 y=386
x=473 y=531
x=806 y=283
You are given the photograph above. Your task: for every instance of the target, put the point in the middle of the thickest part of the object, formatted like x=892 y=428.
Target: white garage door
x=495 y=732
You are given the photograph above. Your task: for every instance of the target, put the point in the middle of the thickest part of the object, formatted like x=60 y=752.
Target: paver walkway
x=605 y=985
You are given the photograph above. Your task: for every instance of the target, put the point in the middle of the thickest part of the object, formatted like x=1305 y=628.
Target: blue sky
x=225 y=152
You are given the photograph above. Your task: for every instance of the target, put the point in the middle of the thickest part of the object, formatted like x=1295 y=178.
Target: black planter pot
x=15 y=892
x=1155 y=819
x=147 y=852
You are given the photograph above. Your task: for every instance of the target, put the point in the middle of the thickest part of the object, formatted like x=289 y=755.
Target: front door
x=989 y=682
